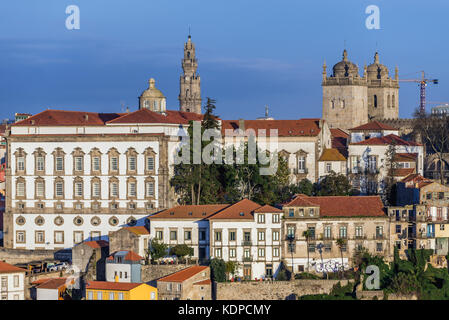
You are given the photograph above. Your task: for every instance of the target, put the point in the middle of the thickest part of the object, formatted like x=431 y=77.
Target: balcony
x=300 y=171
x=379 y=237
x=360 y=237
x=247 y=259
x=247 y=243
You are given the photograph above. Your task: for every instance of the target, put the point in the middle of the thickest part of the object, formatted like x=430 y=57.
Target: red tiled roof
x=387 y=140
x=416 y=177
x=105 y=285
x=343 y=206
x=241 y=210
x=204 y=282
x=96 y=244
x=139 y=230
x=267 y=209
x=405 y=157
x=201 y=211
x=148 y=116
x=130 y=256
x=374 y=125
x=286 y=128
x=184 y=274
x=53 y=283
x=338 y=133
x=331 y=155
x=9 y=268
x=68 y=118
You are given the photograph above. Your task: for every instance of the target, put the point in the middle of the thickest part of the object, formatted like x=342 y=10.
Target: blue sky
x=251 y=53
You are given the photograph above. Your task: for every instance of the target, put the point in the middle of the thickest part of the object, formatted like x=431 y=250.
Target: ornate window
x=39 y=161
x=301 y=156
x=95 y=188
x=20 y=220
x=59 y=237
x=58 y=156
x=20 y=156
x=59 y=221
x=20 y=237
x=78 y=188
x=39 y=188
x=39 y=221
x=78 y=221
x=131 y=188
x=131 y=221
x=95 y=161
x=39 y=237
x=149 y=188
x=113 y=156
x=20 y=188
x=113 y=188
x=131 y=158
x=95 y=221
x=113 y=221
x=59 y=187
x=78 y=161
x=150 y=161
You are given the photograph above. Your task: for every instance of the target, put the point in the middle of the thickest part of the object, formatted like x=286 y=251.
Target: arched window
x=389 y=101
x=375 y=101
x=392 y=101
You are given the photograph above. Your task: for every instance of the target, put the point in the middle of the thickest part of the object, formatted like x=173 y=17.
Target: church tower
x=190 y=87
x=383 y=92
x=345 y=95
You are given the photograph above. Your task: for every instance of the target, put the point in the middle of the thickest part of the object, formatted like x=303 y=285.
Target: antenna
x=189 y=30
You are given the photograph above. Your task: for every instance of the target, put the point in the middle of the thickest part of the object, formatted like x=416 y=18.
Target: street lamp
x=320 y=250
x=291 y=239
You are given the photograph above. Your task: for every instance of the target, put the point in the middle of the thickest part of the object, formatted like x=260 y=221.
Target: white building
x=369 y=162
x=124 y=266
x=250 y=235
x=12 y=282
x=185 y=225
x=331 y=161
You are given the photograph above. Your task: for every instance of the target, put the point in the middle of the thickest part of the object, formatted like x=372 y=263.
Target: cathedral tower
x=383 y=92
x=345 y=95
x=190 y=87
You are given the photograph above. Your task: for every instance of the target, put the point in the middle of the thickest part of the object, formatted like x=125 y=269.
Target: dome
x=152 y=91
x=377 y=70
x=345 y=68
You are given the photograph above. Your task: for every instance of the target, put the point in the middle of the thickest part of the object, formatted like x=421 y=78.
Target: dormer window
x=311 y=212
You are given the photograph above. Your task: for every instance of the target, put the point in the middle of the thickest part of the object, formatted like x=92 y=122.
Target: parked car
x=58 y=267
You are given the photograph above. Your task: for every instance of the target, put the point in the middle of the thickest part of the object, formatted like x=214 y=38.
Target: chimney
x=86 y=117
x=127 y=109
x=242 y=124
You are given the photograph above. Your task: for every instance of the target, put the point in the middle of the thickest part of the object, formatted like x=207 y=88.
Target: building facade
x=12 y=282
x=321 y=234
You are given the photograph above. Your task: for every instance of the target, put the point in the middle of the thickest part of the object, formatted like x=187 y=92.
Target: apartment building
x=12 y=282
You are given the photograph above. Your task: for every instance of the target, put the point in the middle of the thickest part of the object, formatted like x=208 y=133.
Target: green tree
x=341 y=243
x=218 y=270
x=181 y=251
x=305 y=187
x=157 y=250
x=333 y=185
x=231 y=268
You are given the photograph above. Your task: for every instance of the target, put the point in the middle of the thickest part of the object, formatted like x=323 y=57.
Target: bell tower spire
x=190 y=84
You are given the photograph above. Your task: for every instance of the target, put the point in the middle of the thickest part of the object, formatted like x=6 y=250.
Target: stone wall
x=14 y=256
x=273 y=290
x=154 y=272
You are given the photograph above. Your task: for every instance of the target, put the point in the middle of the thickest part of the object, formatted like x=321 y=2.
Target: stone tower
x=152 y=98
x=345 y=95
x=383 y=92
x=190 y=87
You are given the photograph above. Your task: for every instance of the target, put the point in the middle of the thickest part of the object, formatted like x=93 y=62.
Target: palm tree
x=307 y=234
x=341 y=243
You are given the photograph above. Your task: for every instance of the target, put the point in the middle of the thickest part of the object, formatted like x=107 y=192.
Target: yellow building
x=103 y=290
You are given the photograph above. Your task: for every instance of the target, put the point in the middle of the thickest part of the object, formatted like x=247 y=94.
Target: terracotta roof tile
x=148 y=116
x=415 y=177
x=374 y=125
x=241 y=210
x=338 y=133
x=268 y=209
x=386 y=140
x=189 y=212
x=403 y=172
x=331 y=155
x=9 y=268
x=204 y=282
x=129 y=255
x=105 y=285
x=184 y=274
x=53 y=283
x=343 y=206
x=96 y=244
x=67 y=118
x=286 y=128
x=139 y=230
x=405 y=157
